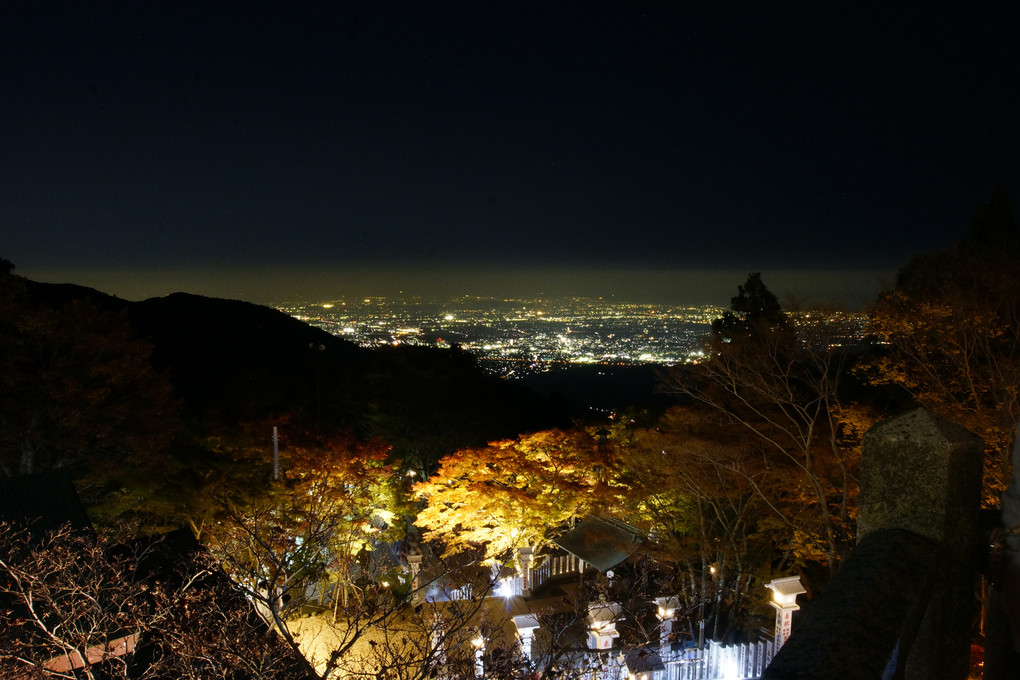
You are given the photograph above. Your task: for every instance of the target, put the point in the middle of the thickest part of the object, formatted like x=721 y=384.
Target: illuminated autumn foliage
x=516 y=492
x=311 y=531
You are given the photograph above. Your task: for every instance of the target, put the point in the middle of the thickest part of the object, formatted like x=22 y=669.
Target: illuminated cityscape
x=519 y=335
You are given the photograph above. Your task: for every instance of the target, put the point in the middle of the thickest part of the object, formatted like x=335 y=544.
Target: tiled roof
x=602 y=543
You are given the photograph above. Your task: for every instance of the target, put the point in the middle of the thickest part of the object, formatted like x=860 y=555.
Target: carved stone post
x=438 y=639
x=414 y=562
x=526 y=558
x=902 y=604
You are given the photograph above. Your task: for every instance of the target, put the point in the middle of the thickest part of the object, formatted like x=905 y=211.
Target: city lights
x=513 y=337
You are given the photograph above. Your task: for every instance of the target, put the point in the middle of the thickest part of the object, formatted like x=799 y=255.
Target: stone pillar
x=922 y=473
x=414 y=562
x=526 y=558
x=526 y=624
x=602 y=620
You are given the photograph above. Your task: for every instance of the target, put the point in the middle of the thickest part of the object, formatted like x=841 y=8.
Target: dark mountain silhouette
x=239 y=360
x=57 y=295
x=232 y=361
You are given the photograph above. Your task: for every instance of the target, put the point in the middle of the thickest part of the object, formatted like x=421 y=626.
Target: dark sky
x=639 y=149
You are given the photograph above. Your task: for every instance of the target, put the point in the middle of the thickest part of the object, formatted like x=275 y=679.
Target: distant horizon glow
x=273 y=285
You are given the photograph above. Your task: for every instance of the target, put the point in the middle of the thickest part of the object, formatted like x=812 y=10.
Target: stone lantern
x=526 y=625
x=665 y=611
x=602 y=620
x=784 y=601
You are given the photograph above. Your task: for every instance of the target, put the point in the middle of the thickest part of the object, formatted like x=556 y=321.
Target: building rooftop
x=601 y=542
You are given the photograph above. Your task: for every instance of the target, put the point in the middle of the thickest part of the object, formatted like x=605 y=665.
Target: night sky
x=645 y=150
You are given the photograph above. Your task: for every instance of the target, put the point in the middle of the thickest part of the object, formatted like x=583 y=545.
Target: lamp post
x=784 y=601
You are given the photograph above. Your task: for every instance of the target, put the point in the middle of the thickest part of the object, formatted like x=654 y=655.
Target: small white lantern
x=602 y=620
x=666 y=611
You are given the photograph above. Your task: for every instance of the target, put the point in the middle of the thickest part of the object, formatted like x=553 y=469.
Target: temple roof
x=601 y=542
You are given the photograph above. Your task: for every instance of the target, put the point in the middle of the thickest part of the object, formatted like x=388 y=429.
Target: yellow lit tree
x=516 y=492
x=312 y=531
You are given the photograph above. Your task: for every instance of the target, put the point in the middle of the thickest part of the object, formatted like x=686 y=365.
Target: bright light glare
x=504 y=589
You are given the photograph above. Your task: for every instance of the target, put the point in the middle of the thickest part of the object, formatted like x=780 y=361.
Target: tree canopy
x=515 y=492
x=951 y=326
x=782 y=394
x=754 y=313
